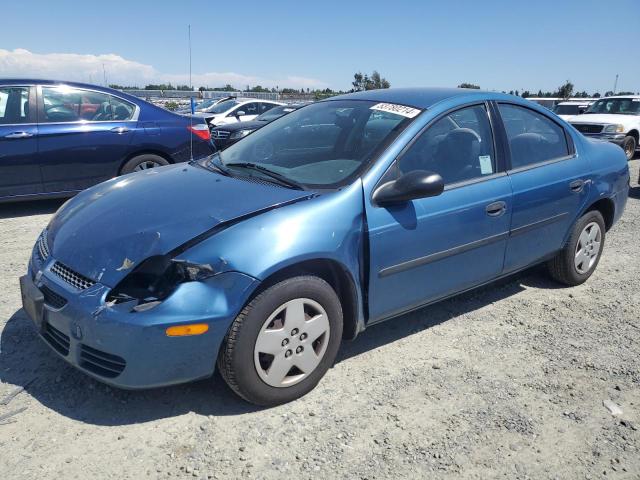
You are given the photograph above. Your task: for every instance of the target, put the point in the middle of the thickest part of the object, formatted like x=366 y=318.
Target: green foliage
x=565 y=90
x=470 y=85
x=364 y=82
x=171 y=106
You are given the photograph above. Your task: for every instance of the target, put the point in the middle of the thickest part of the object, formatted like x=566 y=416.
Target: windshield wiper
x=269 y=173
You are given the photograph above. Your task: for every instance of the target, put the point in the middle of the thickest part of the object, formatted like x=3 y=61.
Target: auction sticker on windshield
x=403 y=110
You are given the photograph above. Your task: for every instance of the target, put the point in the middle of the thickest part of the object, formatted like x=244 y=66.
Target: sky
x=497 y=44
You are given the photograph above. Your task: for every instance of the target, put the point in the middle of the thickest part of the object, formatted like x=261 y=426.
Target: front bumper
x=617 y=138
x=130 y=349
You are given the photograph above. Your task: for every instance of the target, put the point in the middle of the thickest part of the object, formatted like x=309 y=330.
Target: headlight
x=155 y=279
x=240 y=134
x=614 y=129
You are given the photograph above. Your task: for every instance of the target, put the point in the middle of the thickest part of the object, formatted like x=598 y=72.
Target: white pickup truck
x=616 y=119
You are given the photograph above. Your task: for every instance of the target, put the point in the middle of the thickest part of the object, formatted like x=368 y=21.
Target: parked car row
x=232 y=110
x=56 y=139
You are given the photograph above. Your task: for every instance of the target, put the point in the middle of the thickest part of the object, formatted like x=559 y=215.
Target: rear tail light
x=201 y=130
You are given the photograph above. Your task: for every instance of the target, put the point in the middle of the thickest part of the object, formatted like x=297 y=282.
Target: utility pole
x=104 y=75
x=615 y=85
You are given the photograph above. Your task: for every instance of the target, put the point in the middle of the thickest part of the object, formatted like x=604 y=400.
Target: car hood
x=604 y=118
x=107 y=230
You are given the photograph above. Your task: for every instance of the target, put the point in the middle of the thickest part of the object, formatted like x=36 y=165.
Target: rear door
x=550 y=184
x=83 y=136
x=19 y=170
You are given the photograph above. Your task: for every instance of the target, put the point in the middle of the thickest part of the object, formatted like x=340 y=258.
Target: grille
x=58 y=340
x=101 y=363
x=43 y=246
x=72 y=278
x=588 y=127
x=52 y=299
x=220 y=134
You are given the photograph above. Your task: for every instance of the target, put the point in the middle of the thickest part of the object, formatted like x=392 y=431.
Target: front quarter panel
x=326 y=227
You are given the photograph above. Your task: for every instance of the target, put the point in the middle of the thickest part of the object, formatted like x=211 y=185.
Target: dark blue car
x=351 y=211
x=57 y=139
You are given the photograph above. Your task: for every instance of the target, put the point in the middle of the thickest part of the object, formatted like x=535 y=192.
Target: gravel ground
x=506 y=381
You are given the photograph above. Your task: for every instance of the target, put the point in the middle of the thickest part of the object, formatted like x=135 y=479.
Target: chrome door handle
x=120 y=130
x=17 y=135
x=496 y=209
x=576 y=186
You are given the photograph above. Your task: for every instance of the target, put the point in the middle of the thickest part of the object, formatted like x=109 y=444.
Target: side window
x=14 y=105
x=250 y=108
x=63 y=104
x=533 y=138
x=121 y=110
x=458 y=146
x=264 y=107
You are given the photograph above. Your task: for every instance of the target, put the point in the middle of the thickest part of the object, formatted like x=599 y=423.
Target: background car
x=229 y=134
x=566 y=110
x=202 y=106
x=615 y=119
x=235 y=110
x=57 y=139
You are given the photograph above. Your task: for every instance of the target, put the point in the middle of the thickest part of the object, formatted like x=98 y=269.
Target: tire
x=565 y=267
x=629 y=146
x=143 y=162
x=242 y=361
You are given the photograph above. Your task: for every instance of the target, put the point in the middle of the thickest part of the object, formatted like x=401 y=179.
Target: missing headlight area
x=156 y=278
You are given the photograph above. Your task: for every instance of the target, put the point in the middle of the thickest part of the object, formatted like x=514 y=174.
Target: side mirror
x=410 y=186
x=240 y=113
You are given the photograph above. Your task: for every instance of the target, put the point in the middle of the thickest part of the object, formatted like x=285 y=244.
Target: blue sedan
x=262 y=258
x=59 y=138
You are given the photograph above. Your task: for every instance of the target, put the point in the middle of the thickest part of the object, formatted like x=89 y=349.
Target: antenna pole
x=190 y=100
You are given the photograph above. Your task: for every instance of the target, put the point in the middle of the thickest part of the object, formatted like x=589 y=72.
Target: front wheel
x=575 y=263
x=629 y=146
x=143 y=162
x=283 y=342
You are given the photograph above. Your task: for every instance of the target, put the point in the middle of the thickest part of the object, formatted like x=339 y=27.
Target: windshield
x=323 y=145
x=206 y=104
x=566 y=109
x=274 y=113
x=621 y=106
x=224 y=106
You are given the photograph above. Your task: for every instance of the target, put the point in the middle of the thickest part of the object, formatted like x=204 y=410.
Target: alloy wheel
x=292 y=342
x=146 y=166
x=588 y=248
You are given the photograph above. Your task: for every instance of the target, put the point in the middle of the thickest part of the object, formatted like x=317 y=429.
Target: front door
x=83 y=136
x=430 y=248
x=19 y=170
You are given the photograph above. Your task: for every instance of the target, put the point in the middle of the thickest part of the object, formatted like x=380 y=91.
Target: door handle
x=576 y=186
x=496 y=209
x=17 y=135
x=119 y=130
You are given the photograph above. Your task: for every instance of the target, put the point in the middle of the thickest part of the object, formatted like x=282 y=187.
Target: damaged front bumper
x=130 y=349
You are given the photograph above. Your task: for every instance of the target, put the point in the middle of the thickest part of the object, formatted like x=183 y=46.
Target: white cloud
x=89 y=68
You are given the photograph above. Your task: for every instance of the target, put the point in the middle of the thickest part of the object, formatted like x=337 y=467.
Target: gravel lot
x=506 y=381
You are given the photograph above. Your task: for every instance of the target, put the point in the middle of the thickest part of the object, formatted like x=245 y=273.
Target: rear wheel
x=143 y=162
x=629 y=146
x=575 y=263
x=283 y=341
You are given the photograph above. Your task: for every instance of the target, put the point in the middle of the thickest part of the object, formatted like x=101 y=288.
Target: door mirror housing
x=410 y=186
x=240 y=113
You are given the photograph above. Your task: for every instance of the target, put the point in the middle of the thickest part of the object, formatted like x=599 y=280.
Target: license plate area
x=32 y=300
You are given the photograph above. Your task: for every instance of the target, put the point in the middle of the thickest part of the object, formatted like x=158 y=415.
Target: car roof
x=88 y=86
x=422 y=98
x=575 y=102
x=619 y=96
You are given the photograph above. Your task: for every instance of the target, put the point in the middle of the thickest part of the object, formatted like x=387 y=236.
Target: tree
x=566 y=90
x=608 y=93
x=364 y=82
x=596 y=95
x=469 y=85
x=526 y=94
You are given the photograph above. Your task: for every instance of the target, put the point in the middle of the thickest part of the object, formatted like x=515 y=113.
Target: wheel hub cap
x=292 y=342
x=588 y=248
